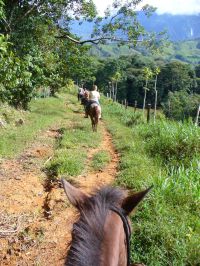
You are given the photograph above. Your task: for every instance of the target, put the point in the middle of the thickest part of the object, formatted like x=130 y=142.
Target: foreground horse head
x=94 y=113
x=101 y=235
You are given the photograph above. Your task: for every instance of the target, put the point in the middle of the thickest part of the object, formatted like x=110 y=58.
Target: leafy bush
x=16 y=88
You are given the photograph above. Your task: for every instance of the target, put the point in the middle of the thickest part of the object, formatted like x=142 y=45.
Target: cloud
x=175 y=7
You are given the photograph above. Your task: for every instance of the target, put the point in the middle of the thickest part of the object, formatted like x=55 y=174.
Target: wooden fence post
x=197 y=117
x=148 y=112
x=125 y=103
x=135 y=106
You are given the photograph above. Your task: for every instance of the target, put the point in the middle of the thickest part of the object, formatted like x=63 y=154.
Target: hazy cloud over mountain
x=175 y=7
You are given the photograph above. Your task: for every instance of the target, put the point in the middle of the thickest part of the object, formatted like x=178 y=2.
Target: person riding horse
x=94 y=97
x=85 y=98
x=80 y=93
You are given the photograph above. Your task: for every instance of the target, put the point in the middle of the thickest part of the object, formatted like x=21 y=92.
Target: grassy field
x=166 y=225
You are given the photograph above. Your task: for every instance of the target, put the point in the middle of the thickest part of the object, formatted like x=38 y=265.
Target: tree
x=121 y=18
x=182 y=105
x=175 y=76
x=32 y=27
x=120 y=25
x=147 y=74
x=197 y=71
x=40 y=30
x=115 y=79
x=156 y=73
x=17 y=88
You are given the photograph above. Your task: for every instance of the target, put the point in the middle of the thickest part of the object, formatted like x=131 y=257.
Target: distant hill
x=185 y=51
x=179 y=27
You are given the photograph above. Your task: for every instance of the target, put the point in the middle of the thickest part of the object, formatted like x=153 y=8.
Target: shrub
x=134 y=119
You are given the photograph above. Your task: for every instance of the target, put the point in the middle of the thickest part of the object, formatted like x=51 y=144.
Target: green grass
x=67 y=163
x=42 y=114
x=166 y=225
x=77 y=138
x=100 y=160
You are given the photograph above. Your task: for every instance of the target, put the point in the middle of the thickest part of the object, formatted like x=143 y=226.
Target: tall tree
x=155 y=72
x=175 y=76
x=147 y=74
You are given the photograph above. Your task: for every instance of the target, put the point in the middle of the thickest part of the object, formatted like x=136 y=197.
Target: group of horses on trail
x=90 y=101
x=101 y=236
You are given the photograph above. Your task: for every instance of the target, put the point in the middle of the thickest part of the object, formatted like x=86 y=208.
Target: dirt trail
x=39 y=209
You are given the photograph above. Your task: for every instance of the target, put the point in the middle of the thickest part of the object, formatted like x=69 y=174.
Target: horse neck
x=113 y=245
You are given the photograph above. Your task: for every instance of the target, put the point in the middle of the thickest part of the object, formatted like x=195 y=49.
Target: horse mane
x=87 y=234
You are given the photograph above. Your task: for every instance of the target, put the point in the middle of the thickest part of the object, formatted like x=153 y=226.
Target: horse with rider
x=92 y=106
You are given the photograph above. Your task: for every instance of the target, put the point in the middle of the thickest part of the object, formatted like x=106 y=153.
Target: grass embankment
x=166 y=226
x=42 y=114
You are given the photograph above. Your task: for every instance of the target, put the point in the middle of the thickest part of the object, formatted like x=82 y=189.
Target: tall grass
x=166 y=225
x=174 y=143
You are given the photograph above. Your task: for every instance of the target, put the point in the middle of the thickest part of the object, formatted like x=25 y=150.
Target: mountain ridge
x=178 y=27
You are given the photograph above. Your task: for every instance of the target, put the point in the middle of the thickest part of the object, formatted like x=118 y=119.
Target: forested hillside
x=185 y=51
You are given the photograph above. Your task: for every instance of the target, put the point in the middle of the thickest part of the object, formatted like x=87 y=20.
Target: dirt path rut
x=35 y=218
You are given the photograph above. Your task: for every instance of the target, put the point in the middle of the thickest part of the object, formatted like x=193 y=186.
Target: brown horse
x=94 y=113
x=101 y=236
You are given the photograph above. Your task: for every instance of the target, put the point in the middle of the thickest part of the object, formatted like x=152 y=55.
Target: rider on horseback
x=80 y=93
x=94 y=97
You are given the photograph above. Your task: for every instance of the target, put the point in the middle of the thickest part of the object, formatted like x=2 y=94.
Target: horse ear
x=130 y=202
x=75 y=195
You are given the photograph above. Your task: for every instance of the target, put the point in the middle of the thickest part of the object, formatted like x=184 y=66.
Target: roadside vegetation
x=165 y=154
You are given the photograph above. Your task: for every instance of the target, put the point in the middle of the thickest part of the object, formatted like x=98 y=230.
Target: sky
x=175 y=7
